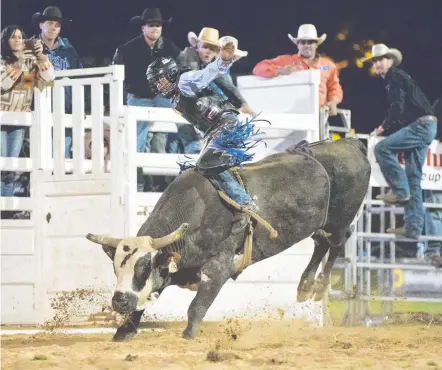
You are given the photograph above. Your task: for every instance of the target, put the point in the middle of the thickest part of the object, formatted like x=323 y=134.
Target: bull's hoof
x=189 y=334
x=320 y=288
x=319 y=295
x=305 y=290
x=124 y=336
x=303 y=296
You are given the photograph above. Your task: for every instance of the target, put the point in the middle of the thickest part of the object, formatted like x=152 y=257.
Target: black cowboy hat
x=150 y=15
x=51 y=13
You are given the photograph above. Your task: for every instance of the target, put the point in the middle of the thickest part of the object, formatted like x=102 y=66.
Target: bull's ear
x=168 y=261
x=109 y=251
x=173 y=260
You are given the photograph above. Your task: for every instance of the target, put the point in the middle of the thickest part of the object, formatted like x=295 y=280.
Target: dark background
x=414 y=27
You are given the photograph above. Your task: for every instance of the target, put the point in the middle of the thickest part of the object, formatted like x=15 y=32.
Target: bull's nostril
x=118 y=296
x=124 y=302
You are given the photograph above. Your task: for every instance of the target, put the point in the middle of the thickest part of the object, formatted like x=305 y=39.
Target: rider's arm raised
x=192 y=82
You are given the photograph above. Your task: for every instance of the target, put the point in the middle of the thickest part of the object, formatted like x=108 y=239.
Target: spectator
x=23 y=67
x=410 y=127
x=307 y=41
x=106 y=143
x=136 y=56
x=61 y=54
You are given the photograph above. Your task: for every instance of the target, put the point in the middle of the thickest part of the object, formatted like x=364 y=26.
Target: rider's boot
x=241 y=219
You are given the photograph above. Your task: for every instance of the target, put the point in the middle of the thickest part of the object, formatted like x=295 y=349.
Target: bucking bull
x=188 y=240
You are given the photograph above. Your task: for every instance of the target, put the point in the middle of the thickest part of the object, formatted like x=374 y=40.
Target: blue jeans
x=186 y=140
x=68 y=143
x=153 y=142
x=433 y=222
x=11 y=144
x=413 y=140
x=148 y=142
x=232 y=188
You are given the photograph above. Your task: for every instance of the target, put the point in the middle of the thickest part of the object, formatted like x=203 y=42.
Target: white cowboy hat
x=207 y=35
x=238 y=53
x=308 y=32
x=380 y=50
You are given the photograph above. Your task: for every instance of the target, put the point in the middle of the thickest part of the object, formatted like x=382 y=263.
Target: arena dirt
x=235 y=344
x=413 y=342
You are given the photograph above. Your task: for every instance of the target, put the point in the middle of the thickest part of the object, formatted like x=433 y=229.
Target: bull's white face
x=133 y=265
x=140 y=267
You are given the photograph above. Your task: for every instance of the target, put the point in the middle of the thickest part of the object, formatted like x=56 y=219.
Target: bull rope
x=273 y=233
x=246 y=259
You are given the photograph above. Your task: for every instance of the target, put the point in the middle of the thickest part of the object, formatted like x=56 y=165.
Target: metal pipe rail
x=394 y=238
x=387 y=266
x=398 y=299
x=373 y=202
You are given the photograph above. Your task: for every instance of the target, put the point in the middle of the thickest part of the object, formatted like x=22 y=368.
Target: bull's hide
x=292 y=193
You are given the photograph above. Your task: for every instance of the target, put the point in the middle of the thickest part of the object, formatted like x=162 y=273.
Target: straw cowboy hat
x=207 y=36
x=150 y=15
x=238 y=53
x=381 y=50
x=308 y=32
x=51 y=13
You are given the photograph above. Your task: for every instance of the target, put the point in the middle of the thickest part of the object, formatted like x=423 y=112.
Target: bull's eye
x=142 y=270
x=126 y=248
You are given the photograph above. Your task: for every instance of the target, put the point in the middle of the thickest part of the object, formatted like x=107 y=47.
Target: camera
x=29 y=44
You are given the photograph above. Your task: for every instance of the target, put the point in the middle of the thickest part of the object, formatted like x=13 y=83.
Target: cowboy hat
x=51 y=13
x=308 y=32
x=381 y=50
x=238 y=53
x=150 y=15
x=207 y=36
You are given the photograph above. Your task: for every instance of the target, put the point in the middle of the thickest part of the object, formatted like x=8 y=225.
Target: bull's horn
x=104 y=240
x=171 y=238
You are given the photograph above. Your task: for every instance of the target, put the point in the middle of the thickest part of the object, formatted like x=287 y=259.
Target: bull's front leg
x=130 y=327
x=214 y=274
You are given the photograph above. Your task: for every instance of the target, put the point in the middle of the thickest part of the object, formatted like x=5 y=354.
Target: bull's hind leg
x=307 y=282
x=214 y=275
x=336 y=242
x=309 y=287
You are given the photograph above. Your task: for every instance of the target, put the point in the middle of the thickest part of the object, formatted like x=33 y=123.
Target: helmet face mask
x=162 y=76
x=165 y=87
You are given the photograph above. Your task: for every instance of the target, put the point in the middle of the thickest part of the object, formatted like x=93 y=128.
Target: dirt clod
x=213 y=356
x=130 y=357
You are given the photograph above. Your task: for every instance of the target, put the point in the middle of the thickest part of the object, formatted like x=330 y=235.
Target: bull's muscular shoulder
x=188 y=179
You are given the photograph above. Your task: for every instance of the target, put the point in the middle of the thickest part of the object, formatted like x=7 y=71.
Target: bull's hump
x=273 y=161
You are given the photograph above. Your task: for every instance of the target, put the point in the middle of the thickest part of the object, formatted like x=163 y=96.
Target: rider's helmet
x=163 y=75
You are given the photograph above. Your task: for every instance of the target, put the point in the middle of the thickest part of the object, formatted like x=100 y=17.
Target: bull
x=187 y=239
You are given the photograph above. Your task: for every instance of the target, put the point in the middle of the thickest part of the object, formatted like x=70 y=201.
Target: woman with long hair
x=23 y=66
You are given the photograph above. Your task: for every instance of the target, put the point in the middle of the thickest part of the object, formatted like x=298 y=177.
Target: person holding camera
x=62 y=55
x=23 y=66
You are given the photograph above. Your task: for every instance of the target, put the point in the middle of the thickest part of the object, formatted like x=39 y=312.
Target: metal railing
x=362 y=268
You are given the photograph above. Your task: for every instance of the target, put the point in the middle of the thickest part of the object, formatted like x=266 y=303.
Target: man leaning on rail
x=411 y=127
